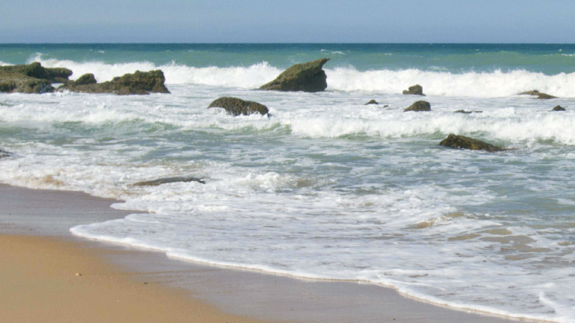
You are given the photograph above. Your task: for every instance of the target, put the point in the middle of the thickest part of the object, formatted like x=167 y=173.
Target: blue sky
x=406 y=21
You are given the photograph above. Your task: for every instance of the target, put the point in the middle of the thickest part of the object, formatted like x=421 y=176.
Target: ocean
x=326 y=187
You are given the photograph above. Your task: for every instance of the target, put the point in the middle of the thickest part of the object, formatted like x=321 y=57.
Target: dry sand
x=39 y=283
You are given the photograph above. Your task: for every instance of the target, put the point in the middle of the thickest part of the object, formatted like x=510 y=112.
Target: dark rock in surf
x=128 y=84
x=462 y=142
x=467 y=112
x=4 y=154
x=414 y=90
x=167 y=180
x=558 y=108
x=419 y=106
x=539 y=95
x=31 y=78
x=236 y=107
x=306 y=77
x=372 y=102
x=86 y=79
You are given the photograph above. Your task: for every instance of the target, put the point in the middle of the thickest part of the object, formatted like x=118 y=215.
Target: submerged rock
x=419 y=106
x=467 y=112
x=558 y=108
x=236 y=107
x=306 y=77
x=4 y=154
x=539 y=95
x=371 y=102
x=463 y=142
x=31 y=78
x=167 y=180
x=86 y=79
x=136 y=83
x=414 y=90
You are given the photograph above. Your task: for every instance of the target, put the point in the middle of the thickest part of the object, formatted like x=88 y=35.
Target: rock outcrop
x=136 y=83
x=306 y=77
x=454 y=141
x=558 y=108
x=86 y=79
x=31 y=78
x=236 y=107
x=371 y=102
x=419 y=106
x=167 y=180
x=539 y=95
x=414 y=90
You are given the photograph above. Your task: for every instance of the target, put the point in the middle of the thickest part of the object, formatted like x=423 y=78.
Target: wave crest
x=436 y=83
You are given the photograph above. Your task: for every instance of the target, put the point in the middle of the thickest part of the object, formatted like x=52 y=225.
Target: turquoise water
x=455 y=58
x=326 y=187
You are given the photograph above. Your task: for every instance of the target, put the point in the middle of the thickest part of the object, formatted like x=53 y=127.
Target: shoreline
x=243 y=292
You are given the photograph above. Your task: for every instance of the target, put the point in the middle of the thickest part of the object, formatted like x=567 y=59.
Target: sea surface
x=326 y=187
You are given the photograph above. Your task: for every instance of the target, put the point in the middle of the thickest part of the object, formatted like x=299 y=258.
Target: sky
x=287 y=21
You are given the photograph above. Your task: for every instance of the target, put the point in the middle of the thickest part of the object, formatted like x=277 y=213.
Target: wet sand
x=123 y=284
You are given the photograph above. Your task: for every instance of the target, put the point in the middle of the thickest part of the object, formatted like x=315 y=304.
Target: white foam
x=437 y=83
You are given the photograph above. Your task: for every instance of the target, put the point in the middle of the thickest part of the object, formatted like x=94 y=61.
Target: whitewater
x=326 y=187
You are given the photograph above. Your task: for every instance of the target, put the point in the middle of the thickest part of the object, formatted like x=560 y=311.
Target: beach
x=49 y=276
x=356 y=184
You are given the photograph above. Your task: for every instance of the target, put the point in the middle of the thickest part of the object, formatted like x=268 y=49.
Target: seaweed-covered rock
x=306 y=77
x=236 y=107
x=558 y=108
x=31 y=78
x=419 y=106
x=539 y=95
x=167 y=180
x=86 y=79
x=414 y=90
x=371 y=102
x=463 y=142
x=136 y=83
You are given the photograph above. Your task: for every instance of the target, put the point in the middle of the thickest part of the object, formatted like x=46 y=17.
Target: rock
x=455 y=141
x=371 y=102
x=539 y=95
x=86 y=79
x=414 y=90
x=167 y=180
x=306 y=77
x=235 y=106
x=558 y=108
x=467 y=112
x=419 y=106
x=4 y=154
x=31 y=78
x=136 y=83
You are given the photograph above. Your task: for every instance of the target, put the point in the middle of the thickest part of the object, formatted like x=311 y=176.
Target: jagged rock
x=86 y=79
x=4 y=154
x=136 y=83
x=167 y=180
x=419 y=106
x=558 y=108
x=463 y=142
x=539 y=95
x=235 y=106
x=414 y=90
x=31 y=78
x=371 y=102
x=467 y=112
x=307 y=77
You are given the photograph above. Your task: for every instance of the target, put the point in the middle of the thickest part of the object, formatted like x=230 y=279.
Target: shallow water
x=326 y=187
